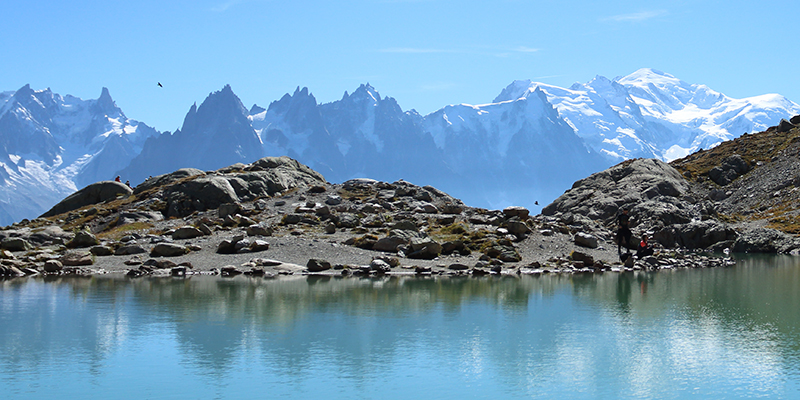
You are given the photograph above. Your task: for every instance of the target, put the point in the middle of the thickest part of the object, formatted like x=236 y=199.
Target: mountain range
x=527 y=146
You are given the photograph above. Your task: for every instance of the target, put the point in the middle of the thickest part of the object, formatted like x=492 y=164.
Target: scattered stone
x=53 y=266
x=76 y=258
x=316 y=265
x=83 y=239
x=228 y=209
x=259 y=245
x=15 y=244
x=168 y=250
x=229 y=270
x=101 y=251
x=585 y=240
x=259 y=230
x=186 y=232
x=129 y=250
x=516 y=211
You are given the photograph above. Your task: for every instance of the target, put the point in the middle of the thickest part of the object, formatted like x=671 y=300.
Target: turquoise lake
x=678 y=334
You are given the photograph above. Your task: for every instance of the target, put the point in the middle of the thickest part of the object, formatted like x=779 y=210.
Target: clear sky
x=424 y=53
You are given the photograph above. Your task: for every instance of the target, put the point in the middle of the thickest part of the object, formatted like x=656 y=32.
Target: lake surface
x=716 y=333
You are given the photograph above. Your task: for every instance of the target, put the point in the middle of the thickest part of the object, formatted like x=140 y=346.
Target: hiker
x=117 y=179
x=128 y=183
x=645 y=249
x=623 y=230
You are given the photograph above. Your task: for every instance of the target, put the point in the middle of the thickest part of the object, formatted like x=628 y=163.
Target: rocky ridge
x=277 y=217
x=740 y=196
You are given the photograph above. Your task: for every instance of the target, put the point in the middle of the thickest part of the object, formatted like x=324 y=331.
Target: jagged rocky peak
x=256 y=109
x=105 y=103
x=301 y=99
x=366 y=91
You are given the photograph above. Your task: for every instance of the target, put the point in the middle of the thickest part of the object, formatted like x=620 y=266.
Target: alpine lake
x=672 y=334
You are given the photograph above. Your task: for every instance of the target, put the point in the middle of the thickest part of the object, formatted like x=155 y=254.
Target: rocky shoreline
x=276 y=217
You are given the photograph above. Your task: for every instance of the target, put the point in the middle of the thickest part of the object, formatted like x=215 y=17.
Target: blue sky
x=424 y=53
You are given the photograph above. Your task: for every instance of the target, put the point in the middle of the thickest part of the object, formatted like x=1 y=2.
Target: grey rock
x=785 y=126
x=333 y=200
x=601 y=195
x=53 y=266
x=93 y=194
x=15 y=244
x=379 y=266
x=167 y=179
x=405 y=224
x=186 y=232
x=167 y=250
x=585 y=240
x=259 y=230
x=516 y=227
x=764 y=240
x=76 y=258
x=130 y=217
x=129 y=250
x=101 y=251
x=516 y=211
x=389 y=243
x=424 y=248
x=317 y=265
x=259 y=245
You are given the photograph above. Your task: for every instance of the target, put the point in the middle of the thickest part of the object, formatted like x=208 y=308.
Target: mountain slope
x=50 y=145
x=653 y=114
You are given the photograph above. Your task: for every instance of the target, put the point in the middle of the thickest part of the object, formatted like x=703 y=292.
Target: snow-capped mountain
x=653 y=114
x=530 y=144
x=51 y=146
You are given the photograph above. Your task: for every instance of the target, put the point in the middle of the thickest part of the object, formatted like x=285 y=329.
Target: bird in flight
x=160 y=85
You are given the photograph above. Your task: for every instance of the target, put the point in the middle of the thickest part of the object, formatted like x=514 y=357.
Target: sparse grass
x=730 y=219
x=786 y=223
x=783 y=217
x=452 y=232
x=759 y=147
x=357 y=194
x=118 y=232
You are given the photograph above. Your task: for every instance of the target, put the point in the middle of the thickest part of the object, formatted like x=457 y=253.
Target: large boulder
x=695 y=234
x=731 y=168
x=263 y=178
x=600 y=196
x=93 y=194
x=167 y=179
x=764 y=240
x=15 y=244
x=83 y=239
x=167 y=250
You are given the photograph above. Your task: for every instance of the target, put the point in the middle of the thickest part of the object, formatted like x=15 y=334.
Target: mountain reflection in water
x=683 y=333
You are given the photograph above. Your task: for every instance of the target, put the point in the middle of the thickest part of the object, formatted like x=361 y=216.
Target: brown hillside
x=768 y=193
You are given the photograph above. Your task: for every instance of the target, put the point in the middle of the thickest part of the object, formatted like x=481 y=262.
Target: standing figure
x=623 y=230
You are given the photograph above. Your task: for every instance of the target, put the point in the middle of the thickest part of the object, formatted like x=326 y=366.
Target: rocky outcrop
x=600 y=196
x=731 y=168
x=675 y=212
x=167 y=179
x=93 y=194
x=765 y=240
x=263 y=178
